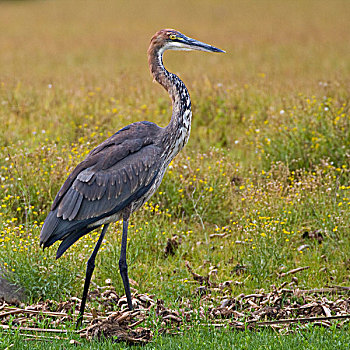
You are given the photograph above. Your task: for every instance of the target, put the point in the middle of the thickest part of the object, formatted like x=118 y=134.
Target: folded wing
x=113 y=175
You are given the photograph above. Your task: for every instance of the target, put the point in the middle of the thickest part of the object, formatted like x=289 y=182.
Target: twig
x=253 y=296
x=341 y=288
x=324 y=290
x=136 y=323
x=40 y=312
x=220 y=235
x=81 y=330
x=201 y=279
x=216 y=325
x=291 y=272
x=124 y=316
x=43 y=337
x=3 y=306
x=24 y=311
x=30 y=329
x=296 y=320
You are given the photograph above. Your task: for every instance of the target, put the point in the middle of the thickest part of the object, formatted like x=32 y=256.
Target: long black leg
x=123 y=267
x=89 y=270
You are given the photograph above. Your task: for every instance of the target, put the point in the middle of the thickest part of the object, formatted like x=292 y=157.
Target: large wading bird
x=123 y=172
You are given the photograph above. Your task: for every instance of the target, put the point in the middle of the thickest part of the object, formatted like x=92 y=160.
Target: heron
x=123 y=172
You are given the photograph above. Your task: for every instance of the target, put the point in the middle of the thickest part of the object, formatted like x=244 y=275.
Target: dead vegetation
x=283 y=308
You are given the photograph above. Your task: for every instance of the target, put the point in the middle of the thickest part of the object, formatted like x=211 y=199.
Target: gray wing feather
x=76 y=208
x=67 y=204
x=95 y=192
x=85 y=175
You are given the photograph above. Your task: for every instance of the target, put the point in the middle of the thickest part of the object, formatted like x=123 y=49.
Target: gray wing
x=113 y=175
x=99 y=188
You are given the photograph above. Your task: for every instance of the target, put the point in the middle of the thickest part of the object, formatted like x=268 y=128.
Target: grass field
x=207 y=338
x=268 y=159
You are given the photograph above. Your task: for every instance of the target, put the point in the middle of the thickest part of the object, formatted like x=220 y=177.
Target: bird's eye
x=172 y=36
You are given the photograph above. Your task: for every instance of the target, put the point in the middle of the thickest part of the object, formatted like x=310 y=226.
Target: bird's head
x=170 y=39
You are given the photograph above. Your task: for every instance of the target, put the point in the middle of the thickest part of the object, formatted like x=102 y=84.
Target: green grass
x=268 y=158
x=207 y=338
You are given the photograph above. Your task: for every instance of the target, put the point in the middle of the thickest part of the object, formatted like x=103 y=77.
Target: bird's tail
x=55 y=229
x=71 y=239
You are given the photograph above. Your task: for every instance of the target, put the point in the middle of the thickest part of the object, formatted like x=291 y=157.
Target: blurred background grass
x=295 y=43
x=268 y=149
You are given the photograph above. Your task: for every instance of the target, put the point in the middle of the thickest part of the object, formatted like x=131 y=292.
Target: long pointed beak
x=198 y=45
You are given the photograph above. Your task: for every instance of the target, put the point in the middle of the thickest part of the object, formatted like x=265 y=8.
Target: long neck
x=178 y=130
